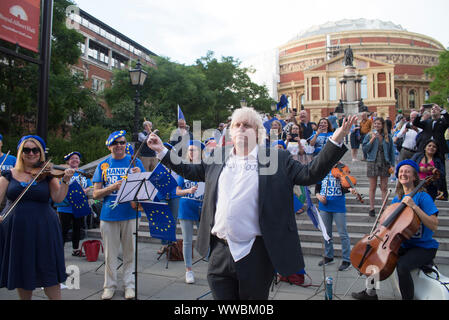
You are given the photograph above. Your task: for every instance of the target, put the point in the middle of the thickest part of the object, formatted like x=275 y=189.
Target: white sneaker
x=130 y=293
x=190 y=277
x=107 y=294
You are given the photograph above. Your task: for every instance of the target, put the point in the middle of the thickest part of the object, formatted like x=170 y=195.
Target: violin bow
x=4 y=159
x=25 y=190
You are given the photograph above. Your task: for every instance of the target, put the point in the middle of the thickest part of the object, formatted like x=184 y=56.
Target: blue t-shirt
x=190 y=204
x=9 y=163
x=321 y=141
x=108 y=172
x=424 y=237
x=332 y=190
x=65 y=206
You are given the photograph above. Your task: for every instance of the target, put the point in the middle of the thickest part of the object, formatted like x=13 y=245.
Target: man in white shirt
x=409 y=133
x=247 y=219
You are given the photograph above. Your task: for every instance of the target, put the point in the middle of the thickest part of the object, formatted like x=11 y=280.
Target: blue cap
x=39 y=139
x=406 y=162
x=113 y=136
x=197 y=143
x=68 y=156
x=1 y=137
x=279 y=142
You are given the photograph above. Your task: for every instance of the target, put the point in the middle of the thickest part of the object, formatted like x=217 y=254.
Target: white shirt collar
x=251 y=156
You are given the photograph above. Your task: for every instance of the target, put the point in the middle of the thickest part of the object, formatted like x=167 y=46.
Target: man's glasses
x=122 y=143
x=28 y=150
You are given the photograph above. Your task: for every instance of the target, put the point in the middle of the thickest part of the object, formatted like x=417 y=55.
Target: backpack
x=174 y=251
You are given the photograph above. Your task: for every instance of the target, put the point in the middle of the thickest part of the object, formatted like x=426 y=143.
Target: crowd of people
x=244 y=236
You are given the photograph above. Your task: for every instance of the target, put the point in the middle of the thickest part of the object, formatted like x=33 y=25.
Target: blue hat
x=406 y=162
x=68 y=156
x=115 y=135
x=39 y=139
x=1 y=137
x=279 y=142
x=197 y=143
x=129 y=149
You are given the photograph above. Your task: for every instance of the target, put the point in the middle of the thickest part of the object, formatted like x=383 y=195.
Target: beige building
x=390 y=60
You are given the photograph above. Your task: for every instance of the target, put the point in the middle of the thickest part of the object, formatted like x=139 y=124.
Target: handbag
x=92 y=249
x=174 y=251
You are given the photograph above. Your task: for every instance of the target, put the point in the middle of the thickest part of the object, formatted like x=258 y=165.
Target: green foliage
x=440 y=85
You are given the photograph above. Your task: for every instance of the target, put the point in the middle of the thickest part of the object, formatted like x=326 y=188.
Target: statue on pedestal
x=349 y=57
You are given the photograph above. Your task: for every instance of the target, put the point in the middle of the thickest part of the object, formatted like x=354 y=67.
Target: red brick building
x=103 y=50
x=390 y=60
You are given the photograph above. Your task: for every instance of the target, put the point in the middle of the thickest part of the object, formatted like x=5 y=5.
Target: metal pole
x=44 y=68
x=136 y=115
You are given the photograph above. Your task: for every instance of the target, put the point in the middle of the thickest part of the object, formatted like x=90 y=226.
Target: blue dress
x=31 y=247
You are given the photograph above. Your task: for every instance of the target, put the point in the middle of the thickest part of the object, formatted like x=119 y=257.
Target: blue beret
x=115 y=135
x=67 y=156
x=197 y=143
x=406 y=162
x=279 y=142
x=39 y=139
x=129 y=149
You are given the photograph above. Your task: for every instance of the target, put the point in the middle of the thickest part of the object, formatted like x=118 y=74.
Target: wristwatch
x=63 y=181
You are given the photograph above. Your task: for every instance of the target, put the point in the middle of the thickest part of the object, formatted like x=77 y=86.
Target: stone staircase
x=359 y=223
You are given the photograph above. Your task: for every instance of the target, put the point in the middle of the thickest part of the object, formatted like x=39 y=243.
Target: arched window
x=364 y=88
x=426 y=95
x=411 y=99
x=303 y=98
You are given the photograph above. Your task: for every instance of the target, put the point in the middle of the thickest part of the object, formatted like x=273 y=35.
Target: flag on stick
x=314 y=215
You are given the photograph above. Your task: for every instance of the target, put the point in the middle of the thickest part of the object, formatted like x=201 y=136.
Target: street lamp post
x=138 y=77
x=243 y=103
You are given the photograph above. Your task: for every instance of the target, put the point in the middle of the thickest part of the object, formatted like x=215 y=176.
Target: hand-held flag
x=160 y=220
x=78 y=199
x=161 y=178
x=314 y=215
x=180 y=114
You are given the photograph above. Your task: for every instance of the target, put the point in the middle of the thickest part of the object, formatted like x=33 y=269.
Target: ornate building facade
x=390 y=60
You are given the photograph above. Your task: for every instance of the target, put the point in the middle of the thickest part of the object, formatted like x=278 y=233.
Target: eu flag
x=162 y=180
x=78 y=199
x=160 y=220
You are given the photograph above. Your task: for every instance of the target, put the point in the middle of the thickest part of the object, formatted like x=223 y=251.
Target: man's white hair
x=253 y=118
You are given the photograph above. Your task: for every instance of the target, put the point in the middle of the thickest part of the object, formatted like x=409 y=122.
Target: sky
x=185 y=30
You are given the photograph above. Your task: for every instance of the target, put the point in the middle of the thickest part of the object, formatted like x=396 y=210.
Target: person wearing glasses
x=31 y=246
x=117 y=224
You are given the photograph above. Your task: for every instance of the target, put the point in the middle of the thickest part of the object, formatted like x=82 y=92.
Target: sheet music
x=130 y=187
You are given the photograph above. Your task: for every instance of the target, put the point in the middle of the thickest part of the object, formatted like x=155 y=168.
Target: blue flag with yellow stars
x=160 y=220
x=78 y=200
x=162 y=180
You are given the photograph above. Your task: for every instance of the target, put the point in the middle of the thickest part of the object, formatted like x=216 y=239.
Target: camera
x=408 y=125
x=427 y=105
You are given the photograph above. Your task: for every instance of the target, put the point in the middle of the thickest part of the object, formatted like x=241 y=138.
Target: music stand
x=136 y=187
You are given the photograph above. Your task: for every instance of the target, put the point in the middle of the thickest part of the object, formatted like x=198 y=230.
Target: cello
x=377 y=253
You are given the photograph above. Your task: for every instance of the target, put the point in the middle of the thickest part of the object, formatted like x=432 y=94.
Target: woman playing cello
x=421 y=248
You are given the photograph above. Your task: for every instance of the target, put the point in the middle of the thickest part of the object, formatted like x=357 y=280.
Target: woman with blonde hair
x=31 y=246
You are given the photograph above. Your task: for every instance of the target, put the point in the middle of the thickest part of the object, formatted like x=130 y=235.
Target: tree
x=440 y=83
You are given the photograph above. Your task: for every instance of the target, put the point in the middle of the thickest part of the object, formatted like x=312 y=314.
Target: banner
x=19 y=22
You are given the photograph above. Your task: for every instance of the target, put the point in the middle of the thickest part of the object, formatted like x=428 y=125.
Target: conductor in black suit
x=247 y=217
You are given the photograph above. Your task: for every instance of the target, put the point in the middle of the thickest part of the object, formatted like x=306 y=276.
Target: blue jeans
x=187 y=236
x=340 y=221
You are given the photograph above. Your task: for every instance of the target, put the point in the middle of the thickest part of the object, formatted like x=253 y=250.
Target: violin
x=377 y=253
x=342 y=172
x=52 y=170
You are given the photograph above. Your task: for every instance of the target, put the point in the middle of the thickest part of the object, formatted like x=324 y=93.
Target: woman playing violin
x=68 y=220
x=421 y=248
x=31 y=247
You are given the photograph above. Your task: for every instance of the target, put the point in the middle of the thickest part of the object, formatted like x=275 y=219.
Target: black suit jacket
x=436 y=132
x=276 y=215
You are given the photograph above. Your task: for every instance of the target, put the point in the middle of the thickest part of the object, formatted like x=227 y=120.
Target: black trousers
x=410 y=259
x=247 y=279
x=68 y=221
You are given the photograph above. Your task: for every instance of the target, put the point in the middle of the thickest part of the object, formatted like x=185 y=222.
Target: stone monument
x=350 y=86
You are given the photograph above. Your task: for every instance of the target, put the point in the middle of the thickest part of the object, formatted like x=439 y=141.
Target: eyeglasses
x=122 y=143
x=28 y=150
